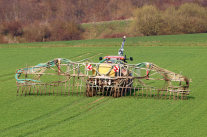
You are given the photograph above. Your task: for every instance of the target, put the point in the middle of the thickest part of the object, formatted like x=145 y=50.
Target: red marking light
x=89 y=67
x=114 y=57
x=116 y=68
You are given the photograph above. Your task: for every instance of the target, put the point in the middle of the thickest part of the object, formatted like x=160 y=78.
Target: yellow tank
x=104 y=69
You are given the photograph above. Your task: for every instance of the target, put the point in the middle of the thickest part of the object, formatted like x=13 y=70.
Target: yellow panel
x=104 y=69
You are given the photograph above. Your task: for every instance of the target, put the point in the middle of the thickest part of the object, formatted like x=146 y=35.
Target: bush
x=170 y=21
x=188 y=18
x=37 y=32
x=56 y=31
x=66 y=31
x=2 y=39
x=192 y=18
x=13 y=28
x=147 y=20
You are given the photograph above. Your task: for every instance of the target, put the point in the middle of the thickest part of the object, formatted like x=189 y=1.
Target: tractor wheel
x=89 y=91
x=90 y=94
x=117 y=93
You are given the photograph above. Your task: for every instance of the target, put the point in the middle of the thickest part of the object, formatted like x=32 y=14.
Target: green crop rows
x=106 y=116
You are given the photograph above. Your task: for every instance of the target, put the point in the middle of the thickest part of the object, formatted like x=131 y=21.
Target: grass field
x=106 y=116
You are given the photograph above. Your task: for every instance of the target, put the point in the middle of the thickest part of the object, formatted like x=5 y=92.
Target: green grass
x=163 y=40
x=127 y=116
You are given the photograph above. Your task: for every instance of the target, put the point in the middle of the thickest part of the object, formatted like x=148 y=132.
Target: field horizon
x=161 y=40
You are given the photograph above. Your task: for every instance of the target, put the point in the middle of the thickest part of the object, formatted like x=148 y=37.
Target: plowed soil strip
x=96 y=101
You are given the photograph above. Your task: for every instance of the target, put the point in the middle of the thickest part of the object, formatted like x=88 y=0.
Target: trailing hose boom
x=112 y=76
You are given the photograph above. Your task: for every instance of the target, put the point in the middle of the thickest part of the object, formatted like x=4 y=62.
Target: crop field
x=44 y=115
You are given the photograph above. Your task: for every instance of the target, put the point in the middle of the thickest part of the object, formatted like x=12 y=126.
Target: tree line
x=52 y=20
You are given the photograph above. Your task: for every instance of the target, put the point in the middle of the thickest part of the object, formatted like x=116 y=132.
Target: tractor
x=111 y=76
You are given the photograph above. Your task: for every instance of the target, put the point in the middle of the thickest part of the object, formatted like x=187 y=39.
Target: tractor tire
x=117 y=93
x=89 y=91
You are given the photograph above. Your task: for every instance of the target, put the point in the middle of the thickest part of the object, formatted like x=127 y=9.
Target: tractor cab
x=109 y=65
x=116 y=59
